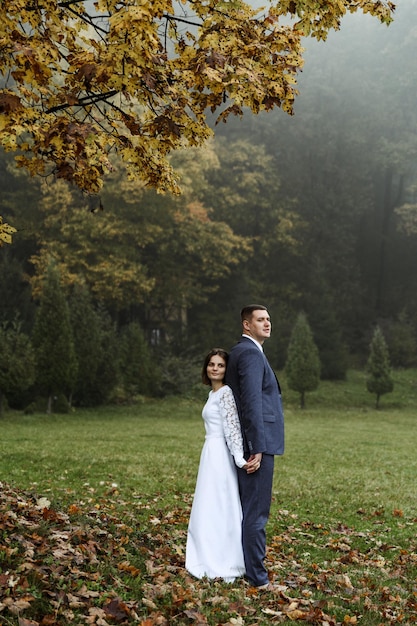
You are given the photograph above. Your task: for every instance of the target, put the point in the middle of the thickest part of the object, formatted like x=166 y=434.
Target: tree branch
x=85 y=101
x=68 y=3
x=88 y=19
x=167 y=16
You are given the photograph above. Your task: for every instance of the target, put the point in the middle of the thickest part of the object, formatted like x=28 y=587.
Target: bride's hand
x=253 y=464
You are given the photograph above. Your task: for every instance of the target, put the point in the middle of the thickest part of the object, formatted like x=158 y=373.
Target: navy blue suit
x=258 y=399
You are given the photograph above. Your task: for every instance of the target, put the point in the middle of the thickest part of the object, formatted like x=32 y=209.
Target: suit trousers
x=255 y=495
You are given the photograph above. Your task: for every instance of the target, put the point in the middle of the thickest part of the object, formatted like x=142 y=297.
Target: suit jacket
x=258 y=398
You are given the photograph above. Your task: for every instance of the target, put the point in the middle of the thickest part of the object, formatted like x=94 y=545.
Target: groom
x=258 y=399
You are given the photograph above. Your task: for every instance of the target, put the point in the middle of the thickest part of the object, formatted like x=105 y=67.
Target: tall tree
x=143 y=250
x=80 y=79
x=379 y=380
x=17 y=361
x=92 y=246
x=85 y=326
x=108 y=372
x=326 y=328
x=53 y=341
x=302 y=368
x=138 y=371
x=243 y=190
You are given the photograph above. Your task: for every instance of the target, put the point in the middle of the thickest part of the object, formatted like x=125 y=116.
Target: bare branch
x=174 y=18
x=85 y=101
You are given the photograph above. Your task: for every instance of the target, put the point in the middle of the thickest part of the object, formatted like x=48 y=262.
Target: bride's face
x=216 y=368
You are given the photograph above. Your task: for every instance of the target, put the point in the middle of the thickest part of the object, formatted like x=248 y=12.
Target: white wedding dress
x=214 y=539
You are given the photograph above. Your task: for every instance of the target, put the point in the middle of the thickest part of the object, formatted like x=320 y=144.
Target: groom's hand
x=254 y=463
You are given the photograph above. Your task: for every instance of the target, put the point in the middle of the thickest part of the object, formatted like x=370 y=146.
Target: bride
x=214 y=538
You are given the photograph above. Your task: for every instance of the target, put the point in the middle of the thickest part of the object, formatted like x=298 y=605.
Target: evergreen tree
x=325 y=326
x=108 y=372
x=303 y=363
x=17 y=361
x=87 y=344
x=379 y=380
x=53 y=341
x=135 y=361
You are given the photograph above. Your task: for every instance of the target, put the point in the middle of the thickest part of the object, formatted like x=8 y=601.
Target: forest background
x=315 y=213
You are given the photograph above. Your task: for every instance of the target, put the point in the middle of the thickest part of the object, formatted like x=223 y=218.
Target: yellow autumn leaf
x=6 y=232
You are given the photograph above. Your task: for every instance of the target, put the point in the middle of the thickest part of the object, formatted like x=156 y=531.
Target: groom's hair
x=247 y=311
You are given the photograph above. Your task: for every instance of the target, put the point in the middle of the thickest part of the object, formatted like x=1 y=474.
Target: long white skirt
x=214 y=540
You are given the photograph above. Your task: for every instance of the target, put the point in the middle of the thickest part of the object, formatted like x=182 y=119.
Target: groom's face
x=258 y=326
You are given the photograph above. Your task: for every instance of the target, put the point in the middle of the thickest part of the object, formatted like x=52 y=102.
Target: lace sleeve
x=231 y=426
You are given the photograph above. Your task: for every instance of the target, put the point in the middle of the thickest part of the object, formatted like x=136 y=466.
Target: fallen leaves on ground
x=108 y=561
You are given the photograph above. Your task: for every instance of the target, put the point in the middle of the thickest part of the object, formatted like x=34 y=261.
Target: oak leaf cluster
x=80 y=80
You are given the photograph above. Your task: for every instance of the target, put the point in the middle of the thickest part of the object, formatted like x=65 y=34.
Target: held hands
x=253 y=463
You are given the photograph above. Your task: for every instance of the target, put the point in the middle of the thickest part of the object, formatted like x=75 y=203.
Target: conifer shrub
x=379 y=380
x=302 y=368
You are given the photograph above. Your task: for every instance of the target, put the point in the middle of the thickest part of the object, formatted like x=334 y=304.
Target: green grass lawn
x=341 y=537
